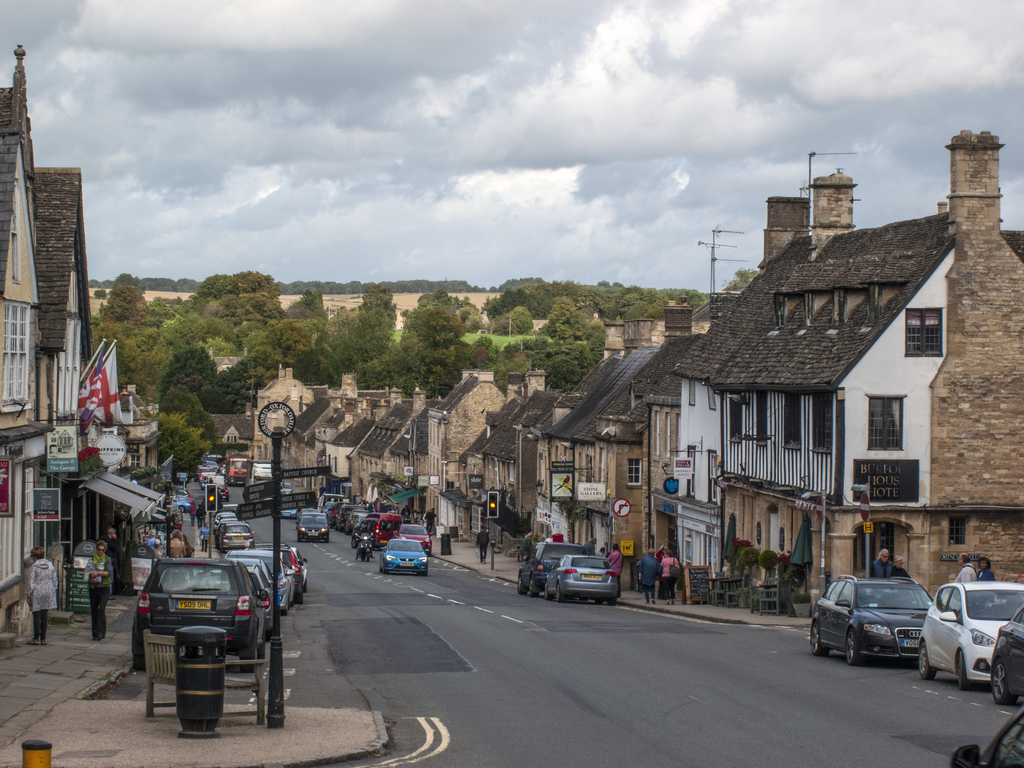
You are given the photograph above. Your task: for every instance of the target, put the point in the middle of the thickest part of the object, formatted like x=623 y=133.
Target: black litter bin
x=199 y=692
x=446 y=544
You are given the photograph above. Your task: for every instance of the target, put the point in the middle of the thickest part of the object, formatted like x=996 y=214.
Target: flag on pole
x=111 y=395
x=89 y=394
x=167 y=470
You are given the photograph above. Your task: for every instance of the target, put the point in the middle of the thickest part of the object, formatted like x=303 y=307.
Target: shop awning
x=406 y=494
x=135 y=496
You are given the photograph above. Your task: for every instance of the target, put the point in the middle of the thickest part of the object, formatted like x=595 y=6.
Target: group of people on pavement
x=660 y=572
x=883 y=569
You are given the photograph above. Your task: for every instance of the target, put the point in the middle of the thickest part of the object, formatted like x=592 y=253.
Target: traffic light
x=211 y=498
x=492 y=503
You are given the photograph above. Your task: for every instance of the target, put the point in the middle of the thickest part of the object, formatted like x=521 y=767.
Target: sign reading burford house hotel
x=890 y=480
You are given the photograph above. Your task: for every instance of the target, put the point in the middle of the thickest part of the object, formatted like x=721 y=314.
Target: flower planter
x=802 y=610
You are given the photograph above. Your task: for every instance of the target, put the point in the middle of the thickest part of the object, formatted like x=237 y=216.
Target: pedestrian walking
x=204 y=535
x=97 y=575
x=42 y=593
x=985 y=570
x=898 y=569
x=590 y=548
x=179 y=546
x=670 y=570
x=201 y=513
x=114 y=553
x=431 y=518
x=881 y=568
x=649 y=569
x=615 y=559
x=967 y=572
x=482 y=540
x=525 y=548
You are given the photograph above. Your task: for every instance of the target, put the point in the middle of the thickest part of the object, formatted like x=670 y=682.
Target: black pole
x=275 y=710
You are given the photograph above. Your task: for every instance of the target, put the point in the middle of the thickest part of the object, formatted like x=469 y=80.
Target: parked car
x=261 y=578
x=266 y=556
x=869 y=617
x=236 y=535
x=312 y=525
x=286 y=488
x=182 y=592
x=294 y=563
x=533 y=574
x=1008 y=661
x=584 y=577
x=403 y=555
x=416 y=533
x=353 y=518
x=1006 y=750
x=961 y=627
x=289 y=514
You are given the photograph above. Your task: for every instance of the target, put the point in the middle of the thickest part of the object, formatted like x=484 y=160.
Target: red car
x=416 y=533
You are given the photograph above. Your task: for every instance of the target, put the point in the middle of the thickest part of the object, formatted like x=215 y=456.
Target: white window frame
x=15 y=260
x=638 y=465
x=17 y=346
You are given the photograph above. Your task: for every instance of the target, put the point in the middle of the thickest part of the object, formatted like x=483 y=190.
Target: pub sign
x=890 y=479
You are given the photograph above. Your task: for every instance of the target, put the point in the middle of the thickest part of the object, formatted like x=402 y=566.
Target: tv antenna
x=810 y=157
x=714 y=245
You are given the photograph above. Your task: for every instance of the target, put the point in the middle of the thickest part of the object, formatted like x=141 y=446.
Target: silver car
x=585 y=577
x=287 y=592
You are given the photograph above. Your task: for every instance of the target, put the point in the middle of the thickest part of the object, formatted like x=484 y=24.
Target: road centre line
x=482 y=609
x=435 y=596
x=455 y=601
x=517 y=621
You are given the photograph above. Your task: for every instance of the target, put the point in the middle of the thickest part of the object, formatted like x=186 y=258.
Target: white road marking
x=291 y=654
x=517 y=621
x=455 y=601
x=287 y=693
x=436 y=596
x=482 y=609
x=289 y=671
x=416 y=590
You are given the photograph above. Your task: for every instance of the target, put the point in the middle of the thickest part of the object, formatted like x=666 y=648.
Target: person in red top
x=668 y=581
x=615 y=558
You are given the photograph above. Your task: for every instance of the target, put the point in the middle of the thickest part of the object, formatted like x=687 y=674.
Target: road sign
x=287 y=474
x=262 y=421
x=869 y=527
x=865 y=507
x=183 y=477
x=819 y=506
x=682 y=469
x=258 y=491
x=299 y=500
x=620 y=507
x=255 y=509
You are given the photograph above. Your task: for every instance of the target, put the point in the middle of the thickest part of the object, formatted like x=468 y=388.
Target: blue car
x=403 y=556
x=289 y=514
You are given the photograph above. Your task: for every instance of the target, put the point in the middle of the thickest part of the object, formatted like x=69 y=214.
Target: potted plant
x=801 y=603
x=767 y=560
x=743 y=597
x=738 y=545
x=747 y=560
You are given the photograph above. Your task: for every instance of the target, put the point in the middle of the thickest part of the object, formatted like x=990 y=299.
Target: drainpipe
x=39 y=357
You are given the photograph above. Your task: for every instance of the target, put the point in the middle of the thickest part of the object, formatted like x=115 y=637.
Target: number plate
x=590 y=576
x=909 y=642
x=407 y=564
x=193 y=605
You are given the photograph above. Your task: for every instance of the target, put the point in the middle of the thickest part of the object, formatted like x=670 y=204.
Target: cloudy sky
x=489 y=139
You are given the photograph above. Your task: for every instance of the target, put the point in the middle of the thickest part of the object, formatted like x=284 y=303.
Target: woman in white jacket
x=42 y=594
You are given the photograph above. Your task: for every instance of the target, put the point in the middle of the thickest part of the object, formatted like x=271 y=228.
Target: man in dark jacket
x=881 y=568
x=482 y=540
x=649 y=569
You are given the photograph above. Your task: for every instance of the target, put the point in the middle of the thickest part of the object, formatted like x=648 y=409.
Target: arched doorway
x=887 y=535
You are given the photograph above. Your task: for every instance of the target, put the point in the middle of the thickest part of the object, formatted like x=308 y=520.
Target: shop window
x=957 y=531
x=885 y=423
x=633 y=471
x=924 y=333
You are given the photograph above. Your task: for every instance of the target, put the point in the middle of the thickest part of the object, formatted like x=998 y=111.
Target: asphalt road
x=471 y=675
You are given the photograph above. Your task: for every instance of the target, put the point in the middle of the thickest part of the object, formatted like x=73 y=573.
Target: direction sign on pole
x=299 y=500
x=258 y=491
x=288 y=474
x=254 y=509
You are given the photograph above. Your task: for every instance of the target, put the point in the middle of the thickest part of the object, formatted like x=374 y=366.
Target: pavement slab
x=82 y=737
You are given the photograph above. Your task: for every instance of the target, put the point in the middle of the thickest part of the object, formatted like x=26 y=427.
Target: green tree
x=125 y=305
x=158 y=312
x=522 y=321
x=179 y=400
x=190 y=360
x=309 y=305
x=100 y=293
x=471 y=318
x=566 y=364
x=565 y=322
x=130 y=280
x=377 y=297
x=182 y=441
x=239 y=384
x=435 y=336
x=742 y=278
x=595 y=335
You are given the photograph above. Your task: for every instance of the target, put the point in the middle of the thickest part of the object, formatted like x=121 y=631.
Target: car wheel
x=559 y=595
x=547 y=593
x=305 y=585
x=425 y=571
x=520 y=587
x=299 y=597
x=139 y=662
x=534 y=592
x=924 y=669
x=852 y=651
x=611 y=601
x=817 y=649
x=960 y=669
x=1001 y=685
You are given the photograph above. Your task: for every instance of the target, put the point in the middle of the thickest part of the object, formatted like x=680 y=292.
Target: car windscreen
x=899 y=597
x=186 y=577
x=237 y=528
x=404 y=546
x=413 y=530
x=993 y=604
x=590 y=562
x=317 y=519
x=557 y=551
x=266 y=558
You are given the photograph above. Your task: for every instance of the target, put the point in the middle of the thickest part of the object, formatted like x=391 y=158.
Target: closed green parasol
x=802 y=554
x=730 y=534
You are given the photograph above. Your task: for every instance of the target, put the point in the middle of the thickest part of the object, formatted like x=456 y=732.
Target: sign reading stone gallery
x=889 y=479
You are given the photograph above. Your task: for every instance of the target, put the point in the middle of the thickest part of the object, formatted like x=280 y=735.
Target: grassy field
x=473 y=338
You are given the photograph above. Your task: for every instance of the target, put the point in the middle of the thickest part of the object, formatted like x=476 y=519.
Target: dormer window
x=874 y=303
x=838 y=306
x=808 y=307
x=780 y=310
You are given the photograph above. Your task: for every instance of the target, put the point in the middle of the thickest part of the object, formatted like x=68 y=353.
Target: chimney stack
x=514 y=386
x=395 y=396
x=535 y=382
x=943 y=207
x=678 y=319
x=788 y=218
x=974 y=183
x=833 y=209
x=419 y=400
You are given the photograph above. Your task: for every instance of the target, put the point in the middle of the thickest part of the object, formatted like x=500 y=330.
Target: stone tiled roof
x=1016 y=241
x=453 y=398
x=5 y=106
x=243 y=424
x=354 y=435
x=535 y=412
x=745 y=349
x=387 y=429
x=593 y=378
x=306 y=420
x=9 y=143
x=58 y=207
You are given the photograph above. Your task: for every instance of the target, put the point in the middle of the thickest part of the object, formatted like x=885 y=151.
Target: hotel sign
x=890 y=479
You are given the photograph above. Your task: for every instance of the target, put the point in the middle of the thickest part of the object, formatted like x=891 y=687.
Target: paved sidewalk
x=467 y=555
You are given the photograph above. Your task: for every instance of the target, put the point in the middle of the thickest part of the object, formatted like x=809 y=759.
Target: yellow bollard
x=35 y=753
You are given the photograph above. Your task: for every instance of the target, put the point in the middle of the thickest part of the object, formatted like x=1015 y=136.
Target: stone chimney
x=467 y=372
x=974 y=184
x=248 y=410
x=613 y=338
x=131 y=388
x=484 y=377
x=515 y=386
x=395 y=396
x=419 y=401
x=943 y=208
x=678 y=319
x=349 y=386
x=788 y=218
x=535 y=382
x=642 y=332
x=833 y=209
x=280 y=371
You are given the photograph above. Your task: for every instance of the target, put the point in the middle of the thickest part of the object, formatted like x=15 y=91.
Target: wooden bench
x=162 y=668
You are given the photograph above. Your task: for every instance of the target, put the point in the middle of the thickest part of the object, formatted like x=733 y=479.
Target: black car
x=533 y=576
x=1008 y=661
x=870 y=617
x=312 y=526
x=182 y=592
x=1005 y=750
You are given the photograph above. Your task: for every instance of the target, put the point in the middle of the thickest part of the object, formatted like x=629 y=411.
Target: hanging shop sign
x=62 y=449
x=6 y=508
x=112 y=449
x=46 y=505
x=889 y=480
x=682 y=468
x=562 y=480
x=590 y=491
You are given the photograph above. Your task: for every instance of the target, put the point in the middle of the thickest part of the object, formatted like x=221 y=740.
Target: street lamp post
x=275 y=708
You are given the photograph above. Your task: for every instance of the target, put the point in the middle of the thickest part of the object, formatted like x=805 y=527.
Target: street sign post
x=299 y=500
x=275 y=697
x=621 y=507
x=258 y=491
x=252 y=510
x=865 y=513
x=289 y=474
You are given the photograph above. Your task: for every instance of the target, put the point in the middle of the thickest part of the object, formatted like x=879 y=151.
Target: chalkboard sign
x=453 y=531
x=78 y=592
x=698 y=578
